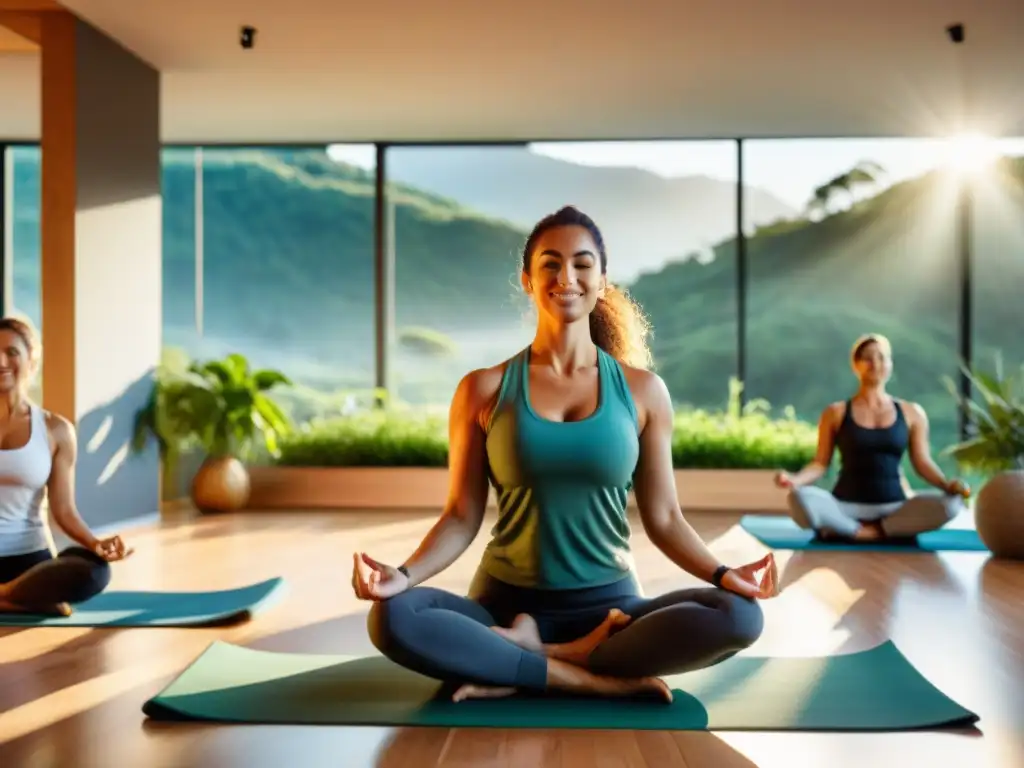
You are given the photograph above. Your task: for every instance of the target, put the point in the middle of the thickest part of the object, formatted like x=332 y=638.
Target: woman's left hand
x=957 y=488
x=111 y=549
x=744 y=580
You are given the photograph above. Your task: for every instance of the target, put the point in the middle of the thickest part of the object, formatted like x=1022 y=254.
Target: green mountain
x=888 y=264
x=288 y=248
x=646 y=219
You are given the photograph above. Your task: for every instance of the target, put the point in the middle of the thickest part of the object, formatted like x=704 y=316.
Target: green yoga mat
x=780 y=532
x=159 y=609
x=877 y=689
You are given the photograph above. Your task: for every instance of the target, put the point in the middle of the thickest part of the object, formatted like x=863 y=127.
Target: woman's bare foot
x=579 y=650
x=869 y=532
x=568 y=677
x=59 y=609
x=470 y=691
x=563 y=676
x=525 y=634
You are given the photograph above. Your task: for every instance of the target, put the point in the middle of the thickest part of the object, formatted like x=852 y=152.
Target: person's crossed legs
x=620 y=649
x=676 y=632
x=40 y=583
x=816 y=509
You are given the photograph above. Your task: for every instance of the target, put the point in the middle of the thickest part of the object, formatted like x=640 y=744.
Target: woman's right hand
x=372 y=580
x=784 y=480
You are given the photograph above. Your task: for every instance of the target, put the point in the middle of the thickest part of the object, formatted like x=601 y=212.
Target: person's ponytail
x=619 y=327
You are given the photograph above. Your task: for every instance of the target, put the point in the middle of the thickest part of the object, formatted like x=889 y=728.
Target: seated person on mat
x=872 y=430
x=563 y=429
x=37 y=458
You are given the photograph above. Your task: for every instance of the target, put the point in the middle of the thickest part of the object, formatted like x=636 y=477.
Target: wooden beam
x=28 y=26
x=30 y=5
x=58 y=211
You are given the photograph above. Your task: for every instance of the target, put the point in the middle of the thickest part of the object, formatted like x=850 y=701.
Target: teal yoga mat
x=159 y=609
x=780 y=532
x=876 y=689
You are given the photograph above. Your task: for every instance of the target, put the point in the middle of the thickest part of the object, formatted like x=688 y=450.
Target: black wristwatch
x=403 y=570
x=716 y=577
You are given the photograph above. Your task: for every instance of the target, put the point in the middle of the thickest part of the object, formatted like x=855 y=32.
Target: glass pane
x=998 y=240
x=25 y=196
x=667 y=211
x=285 y=239
x=870 y=245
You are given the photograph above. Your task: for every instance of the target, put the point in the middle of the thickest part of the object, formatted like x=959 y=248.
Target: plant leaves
x=219 y=406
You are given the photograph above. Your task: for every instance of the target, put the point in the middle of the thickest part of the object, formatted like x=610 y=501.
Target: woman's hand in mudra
x=111 y=549
x=744 y=580
x=372 y=580
x=957 y=488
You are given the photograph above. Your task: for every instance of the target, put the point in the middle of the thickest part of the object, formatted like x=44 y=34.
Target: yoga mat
x=780 y=532
x=877 y=689
x=158 y=609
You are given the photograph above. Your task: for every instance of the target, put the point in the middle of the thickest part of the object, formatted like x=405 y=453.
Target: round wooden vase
x=221 y=485
x=999 y=514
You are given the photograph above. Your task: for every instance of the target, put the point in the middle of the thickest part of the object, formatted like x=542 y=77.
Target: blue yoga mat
x=159 y=609
x=781 y=532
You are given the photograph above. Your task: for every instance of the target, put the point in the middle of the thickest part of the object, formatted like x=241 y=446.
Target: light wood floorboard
x=73 y=697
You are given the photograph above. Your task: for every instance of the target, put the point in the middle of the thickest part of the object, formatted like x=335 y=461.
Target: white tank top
x=24 y=473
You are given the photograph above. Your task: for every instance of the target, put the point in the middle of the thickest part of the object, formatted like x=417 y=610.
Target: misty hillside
x=647 y=220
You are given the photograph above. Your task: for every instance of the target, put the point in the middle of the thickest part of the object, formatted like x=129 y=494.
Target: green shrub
x=369 y=439
x=704 y=440
x=412 y=439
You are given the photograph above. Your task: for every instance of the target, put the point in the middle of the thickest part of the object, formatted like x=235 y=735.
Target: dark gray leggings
x=448 y=637
x=38 y=579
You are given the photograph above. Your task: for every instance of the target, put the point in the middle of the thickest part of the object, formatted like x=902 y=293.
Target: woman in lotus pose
x=37 y=460
x=872 y=431
x=564 y=429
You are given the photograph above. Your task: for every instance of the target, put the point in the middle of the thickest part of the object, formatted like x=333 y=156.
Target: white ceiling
x=330 y=70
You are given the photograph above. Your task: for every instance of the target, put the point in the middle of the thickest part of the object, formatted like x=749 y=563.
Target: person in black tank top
x=872 y=432
x=871 y=456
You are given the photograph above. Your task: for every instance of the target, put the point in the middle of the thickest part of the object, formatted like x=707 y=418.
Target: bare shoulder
x=833 y=413
x=646 y=386
x=477 y=392
x=60 y=429
x=482 y=384
x=913 y=412
x=59 y=426
x=650 y=393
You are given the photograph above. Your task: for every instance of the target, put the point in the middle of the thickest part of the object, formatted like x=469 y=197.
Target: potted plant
x=995 y=451
x=221 y=408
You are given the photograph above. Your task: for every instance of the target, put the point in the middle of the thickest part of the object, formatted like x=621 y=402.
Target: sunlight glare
x=969 y=153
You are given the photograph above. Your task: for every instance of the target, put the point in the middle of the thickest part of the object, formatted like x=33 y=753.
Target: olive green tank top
x=562 y=487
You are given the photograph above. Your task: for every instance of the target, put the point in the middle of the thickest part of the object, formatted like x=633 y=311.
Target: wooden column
x=101 y=221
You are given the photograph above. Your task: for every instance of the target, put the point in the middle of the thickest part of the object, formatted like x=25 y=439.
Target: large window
x=269 y=253
x=996 y=184
x=871 y=246
x=23 y=177
x=461 y=216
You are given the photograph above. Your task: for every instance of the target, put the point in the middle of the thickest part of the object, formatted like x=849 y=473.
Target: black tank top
x=870 y=460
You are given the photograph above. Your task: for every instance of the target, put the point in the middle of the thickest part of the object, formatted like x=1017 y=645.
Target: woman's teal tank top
x=562 y=487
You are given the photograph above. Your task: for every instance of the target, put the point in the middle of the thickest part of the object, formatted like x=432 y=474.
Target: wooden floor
x=73 y=697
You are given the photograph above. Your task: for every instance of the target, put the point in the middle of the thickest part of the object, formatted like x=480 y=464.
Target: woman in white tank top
x=37 y=460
